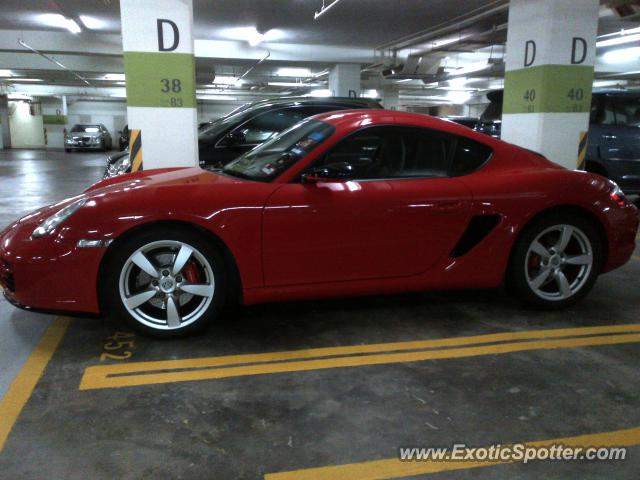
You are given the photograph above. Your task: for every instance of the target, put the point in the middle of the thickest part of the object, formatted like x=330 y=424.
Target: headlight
x=51 y=223
x=118 y=167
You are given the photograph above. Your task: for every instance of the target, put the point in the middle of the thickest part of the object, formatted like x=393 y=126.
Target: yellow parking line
x=168 y=371
x=395 y=468
x=24 y=383
x=636 y=257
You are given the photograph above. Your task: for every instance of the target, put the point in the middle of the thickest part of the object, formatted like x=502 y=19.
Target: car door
x=395 y=216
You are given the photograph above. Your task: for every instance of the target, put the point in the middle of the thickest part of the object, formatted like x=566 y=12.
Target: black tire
x=517 y=281
x=120 y=252
x=68 y=150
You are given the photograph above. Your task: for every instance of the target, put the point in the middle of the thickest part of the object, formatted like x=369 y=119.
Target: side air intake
x=479 y=227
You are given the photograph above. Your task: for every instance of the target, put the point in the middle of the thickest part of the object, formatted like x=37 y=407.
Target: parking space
x=319 y=239
x=334 y=389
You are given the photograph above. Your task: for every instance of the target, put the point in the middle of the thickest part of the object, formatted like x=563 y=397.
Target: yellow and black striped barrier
x=582 y=151
x=135 y=150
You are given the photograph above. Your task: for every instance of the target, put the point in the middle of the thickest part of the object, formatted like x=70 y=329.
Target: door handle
x=448 y=207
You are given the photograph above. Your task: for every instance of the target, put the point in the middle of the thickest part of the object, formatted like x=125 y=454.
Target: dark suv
x=248 y=126
x=613 y=149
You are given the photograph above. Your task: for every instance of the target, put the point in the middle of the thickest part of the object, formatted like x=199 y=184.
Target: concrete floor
x=30 y=179
x=248 y=425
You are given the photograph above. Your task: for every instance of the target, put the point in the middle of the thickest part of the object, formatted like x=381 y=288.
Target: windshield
x=86 y=128
x=209 y=133
x=270 y=159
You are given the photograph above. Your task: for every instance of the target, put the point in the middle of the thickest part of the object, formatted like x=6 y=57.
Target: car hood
x=168 y=177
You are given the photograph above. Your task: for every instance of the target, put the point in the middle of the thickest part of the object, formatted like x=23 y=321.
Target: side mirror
x=335 y=172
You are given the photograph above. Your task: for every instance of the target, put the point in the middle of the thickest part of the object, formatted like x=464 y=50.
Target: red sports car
x=346 y=203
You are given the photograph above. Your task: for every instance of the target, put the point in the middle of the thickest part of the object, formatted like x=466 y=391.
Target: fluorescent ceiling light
x=293 y=72
x=321 y=92
x=474 y=67
x=404 y=80
x=92 y=23
x=621 y=32
x=458 y=82
x=113 y=76
x=216 y=97
x=609 y=83
x=6 y=73
x=227 y=80
x=458 y=97
x=252 y=35
x=18 y=79
x=618 y=41
x=293 y=84
x=60 y=21
x=622 y=55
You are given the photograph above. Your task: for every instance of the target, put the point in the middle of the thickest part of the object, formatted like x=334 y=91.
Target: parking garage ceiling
x=353 y=22
x=383 y=37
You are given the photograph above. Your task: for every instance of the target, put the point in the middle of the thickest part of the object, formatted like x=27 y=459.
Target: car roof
x=353 y=119
x=356 y=102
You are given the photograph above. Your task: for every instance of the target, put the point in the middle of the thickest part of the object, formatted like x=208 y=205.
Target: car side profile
x=88 y=137
x=246 y=127
x=346 y=203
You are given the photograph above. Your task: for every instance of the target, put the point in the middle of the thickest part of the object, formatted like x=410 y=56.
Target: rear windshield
x=86 y=128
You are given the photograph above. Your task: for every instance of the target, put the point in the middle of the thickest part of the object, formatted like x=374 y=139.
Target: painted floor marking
x=22 y=386
x=209 y=368
x=395 y=468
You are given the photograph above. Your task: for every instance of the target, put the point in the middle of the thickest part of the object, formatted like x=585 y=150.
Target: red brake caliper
x=534 y=261
x=192 y=273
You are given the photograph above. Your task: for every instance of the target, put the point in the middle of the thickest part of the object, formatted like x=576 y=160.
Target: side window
x=391 y=152
x=426 y=154
x=468 y=156
x=602 y=112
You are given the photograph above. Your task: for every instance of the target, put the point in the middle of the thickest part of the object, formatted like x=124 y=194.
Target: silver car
x=94 y=137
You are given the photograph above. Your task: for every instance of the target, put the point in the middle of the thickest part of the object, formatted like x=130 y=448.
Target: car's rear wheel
x=165 y=282
x=556 y=261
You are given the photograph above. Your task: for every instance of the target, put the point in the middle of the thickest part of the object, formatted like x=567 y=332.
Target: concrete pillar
x=390 y=98
x=5 y=138
x=549 y=75
x=64 y=106
x=344 y=80
x=159 y=65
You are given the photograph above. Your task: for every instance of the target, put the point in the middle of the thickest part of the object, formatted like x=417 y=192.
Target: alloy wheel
x=167 y=285
x=558 y=262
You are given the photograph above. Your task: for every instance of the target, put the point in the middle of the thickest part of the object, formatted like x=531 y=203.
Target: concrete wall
x=27 y=130
x=113 y=114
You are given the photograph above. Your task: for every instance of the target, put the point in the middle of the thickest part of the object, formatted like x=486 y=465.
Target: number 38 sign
x=161 y=79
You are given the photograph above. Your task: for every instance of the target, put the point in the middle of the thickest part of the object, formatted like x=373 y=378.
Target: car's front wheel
x=556 y=261
x=165 y=282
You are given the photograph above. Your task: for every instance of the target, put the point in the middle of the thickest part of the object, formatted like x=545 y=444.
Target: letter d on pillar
x=529 y=53
x=176 y=35
x=160 y=77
